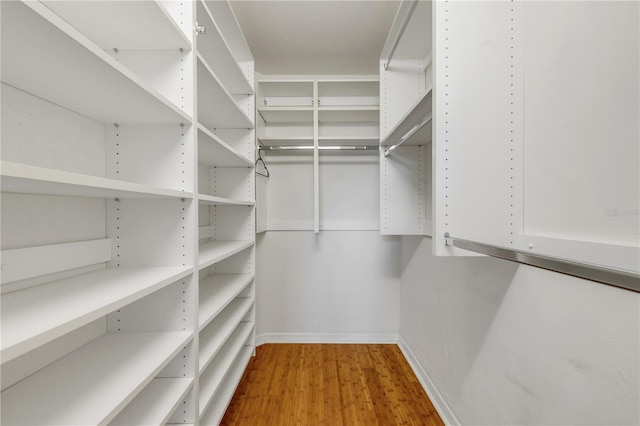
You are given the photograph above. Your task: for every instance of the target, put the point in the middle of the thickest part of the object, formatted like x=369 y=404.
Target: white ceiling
x=316 y=36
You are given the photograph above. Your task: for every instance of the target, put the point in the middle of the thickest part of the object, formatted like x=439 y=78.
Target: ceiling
x=316 y=36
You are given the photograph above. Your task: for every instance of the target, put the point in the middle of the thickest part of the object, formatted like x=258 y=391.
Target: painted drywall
x=327 y=287
x=507 y=344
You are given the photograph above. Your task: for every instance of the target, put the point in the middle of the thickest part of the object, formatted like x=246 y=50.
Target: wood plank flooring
x=323 y=384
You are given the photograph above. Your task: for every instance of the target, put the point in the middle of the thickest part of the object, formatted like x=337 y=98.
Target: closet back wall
x=335 y=286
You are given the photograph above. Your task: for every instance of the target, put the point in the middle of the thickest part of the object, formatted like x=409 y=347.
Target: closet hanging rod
x=408 y=135
x=321 y=148
x=400 y=33
x=619 y=278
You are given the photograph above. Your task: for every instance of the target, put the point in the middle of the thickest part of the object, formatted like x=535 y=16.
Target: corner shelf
x=25 y=179
x=155 y=404
x=80 y=75
x=85 y=394
x=72 y=302
x=135 y=22
x=224 y=112
x=213 y=46
x=216 y=292
x=212 y=378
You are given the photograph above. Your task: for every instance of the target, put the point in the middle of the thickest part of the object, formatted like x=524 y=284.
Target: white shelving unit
x=406 y=104
x=128 y=209
x=311 y=117
x=225 y=191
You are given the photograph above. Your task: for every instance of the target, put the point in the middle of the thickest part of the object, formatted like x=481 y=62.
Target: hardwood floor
x=322 y=384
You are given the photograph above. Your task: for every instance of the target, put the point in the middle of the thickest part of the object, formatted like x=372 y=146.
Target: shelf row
x=80 y=76
x=411 y=120
x=336 y=114
x=26 y=179
x=340 y=94
x=72 y=302
x=84 y=394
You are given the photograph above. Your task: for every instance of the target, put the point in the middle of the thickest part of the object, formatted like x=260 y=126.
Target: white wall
x=508 y=344
x=327 y=287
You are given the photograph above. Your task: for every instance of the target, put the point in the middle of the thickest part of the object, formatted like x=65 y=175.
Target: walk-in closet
x=320 y=212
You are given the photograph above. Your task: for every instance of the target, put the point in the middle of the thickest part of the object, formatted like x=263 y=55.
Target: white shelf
x=287 y=115
x=212 y=200
x=56 y=62
x=213 y=377
x=214 y=336
x=155 y=404
x=213 y=151
x=287 y=141
x=342 y=114
x=418 y=112
x=214 y=48
x=136 y=22
x=216 y=107
x=37 y=315
x=347 y=140
x=93 y=383
x=22 y=178
x=215 y=413
x=214 y=251
x=216 y=292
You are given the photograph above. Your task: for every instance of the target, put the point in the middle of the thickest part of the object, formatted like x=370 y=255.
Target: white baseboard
x=439 y=403
x=264 y=338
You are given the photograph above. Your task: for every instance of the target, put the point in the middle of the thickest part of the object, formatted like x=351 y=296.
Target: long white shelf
x=213 y=151
x=213 y=377
x=287 y=141
x=215 y=413
x=216 y=107
x=92 y=384
x=56 y=62
x=348 y=115
x=26 y=179
x=287 y=115
x=216 y=292
x=347 y=140
x=212 y=200
x=214 y=336
x=214 y=48
x=214 y=251
x=141 y=25
x=155 y=404
x=418 y=112
x=37 y=315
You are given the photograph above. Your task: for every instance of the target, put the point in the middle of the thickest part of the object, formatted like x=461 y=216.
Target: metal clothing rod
x=615 y=277
x=321 y=148
x=408 y=135
x=402 y=29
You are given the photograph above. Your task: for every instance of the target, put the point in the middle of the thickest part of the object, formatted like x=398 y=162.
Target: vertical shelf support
x=316 y=162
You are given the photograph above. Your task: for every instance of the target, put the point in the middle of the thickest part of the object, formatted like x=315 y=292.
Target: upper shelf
x=124 y=25
x=229 y=26
x=216 y=107
x=416 y=114
x=56 y=62
x=213 y=46
x=287 y=114
x=25 y=179
x=346 y=114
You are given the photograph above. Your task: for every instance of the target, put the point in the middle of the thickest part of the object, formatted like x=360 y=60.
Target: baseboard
x=440 y=404
x=265 y=338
